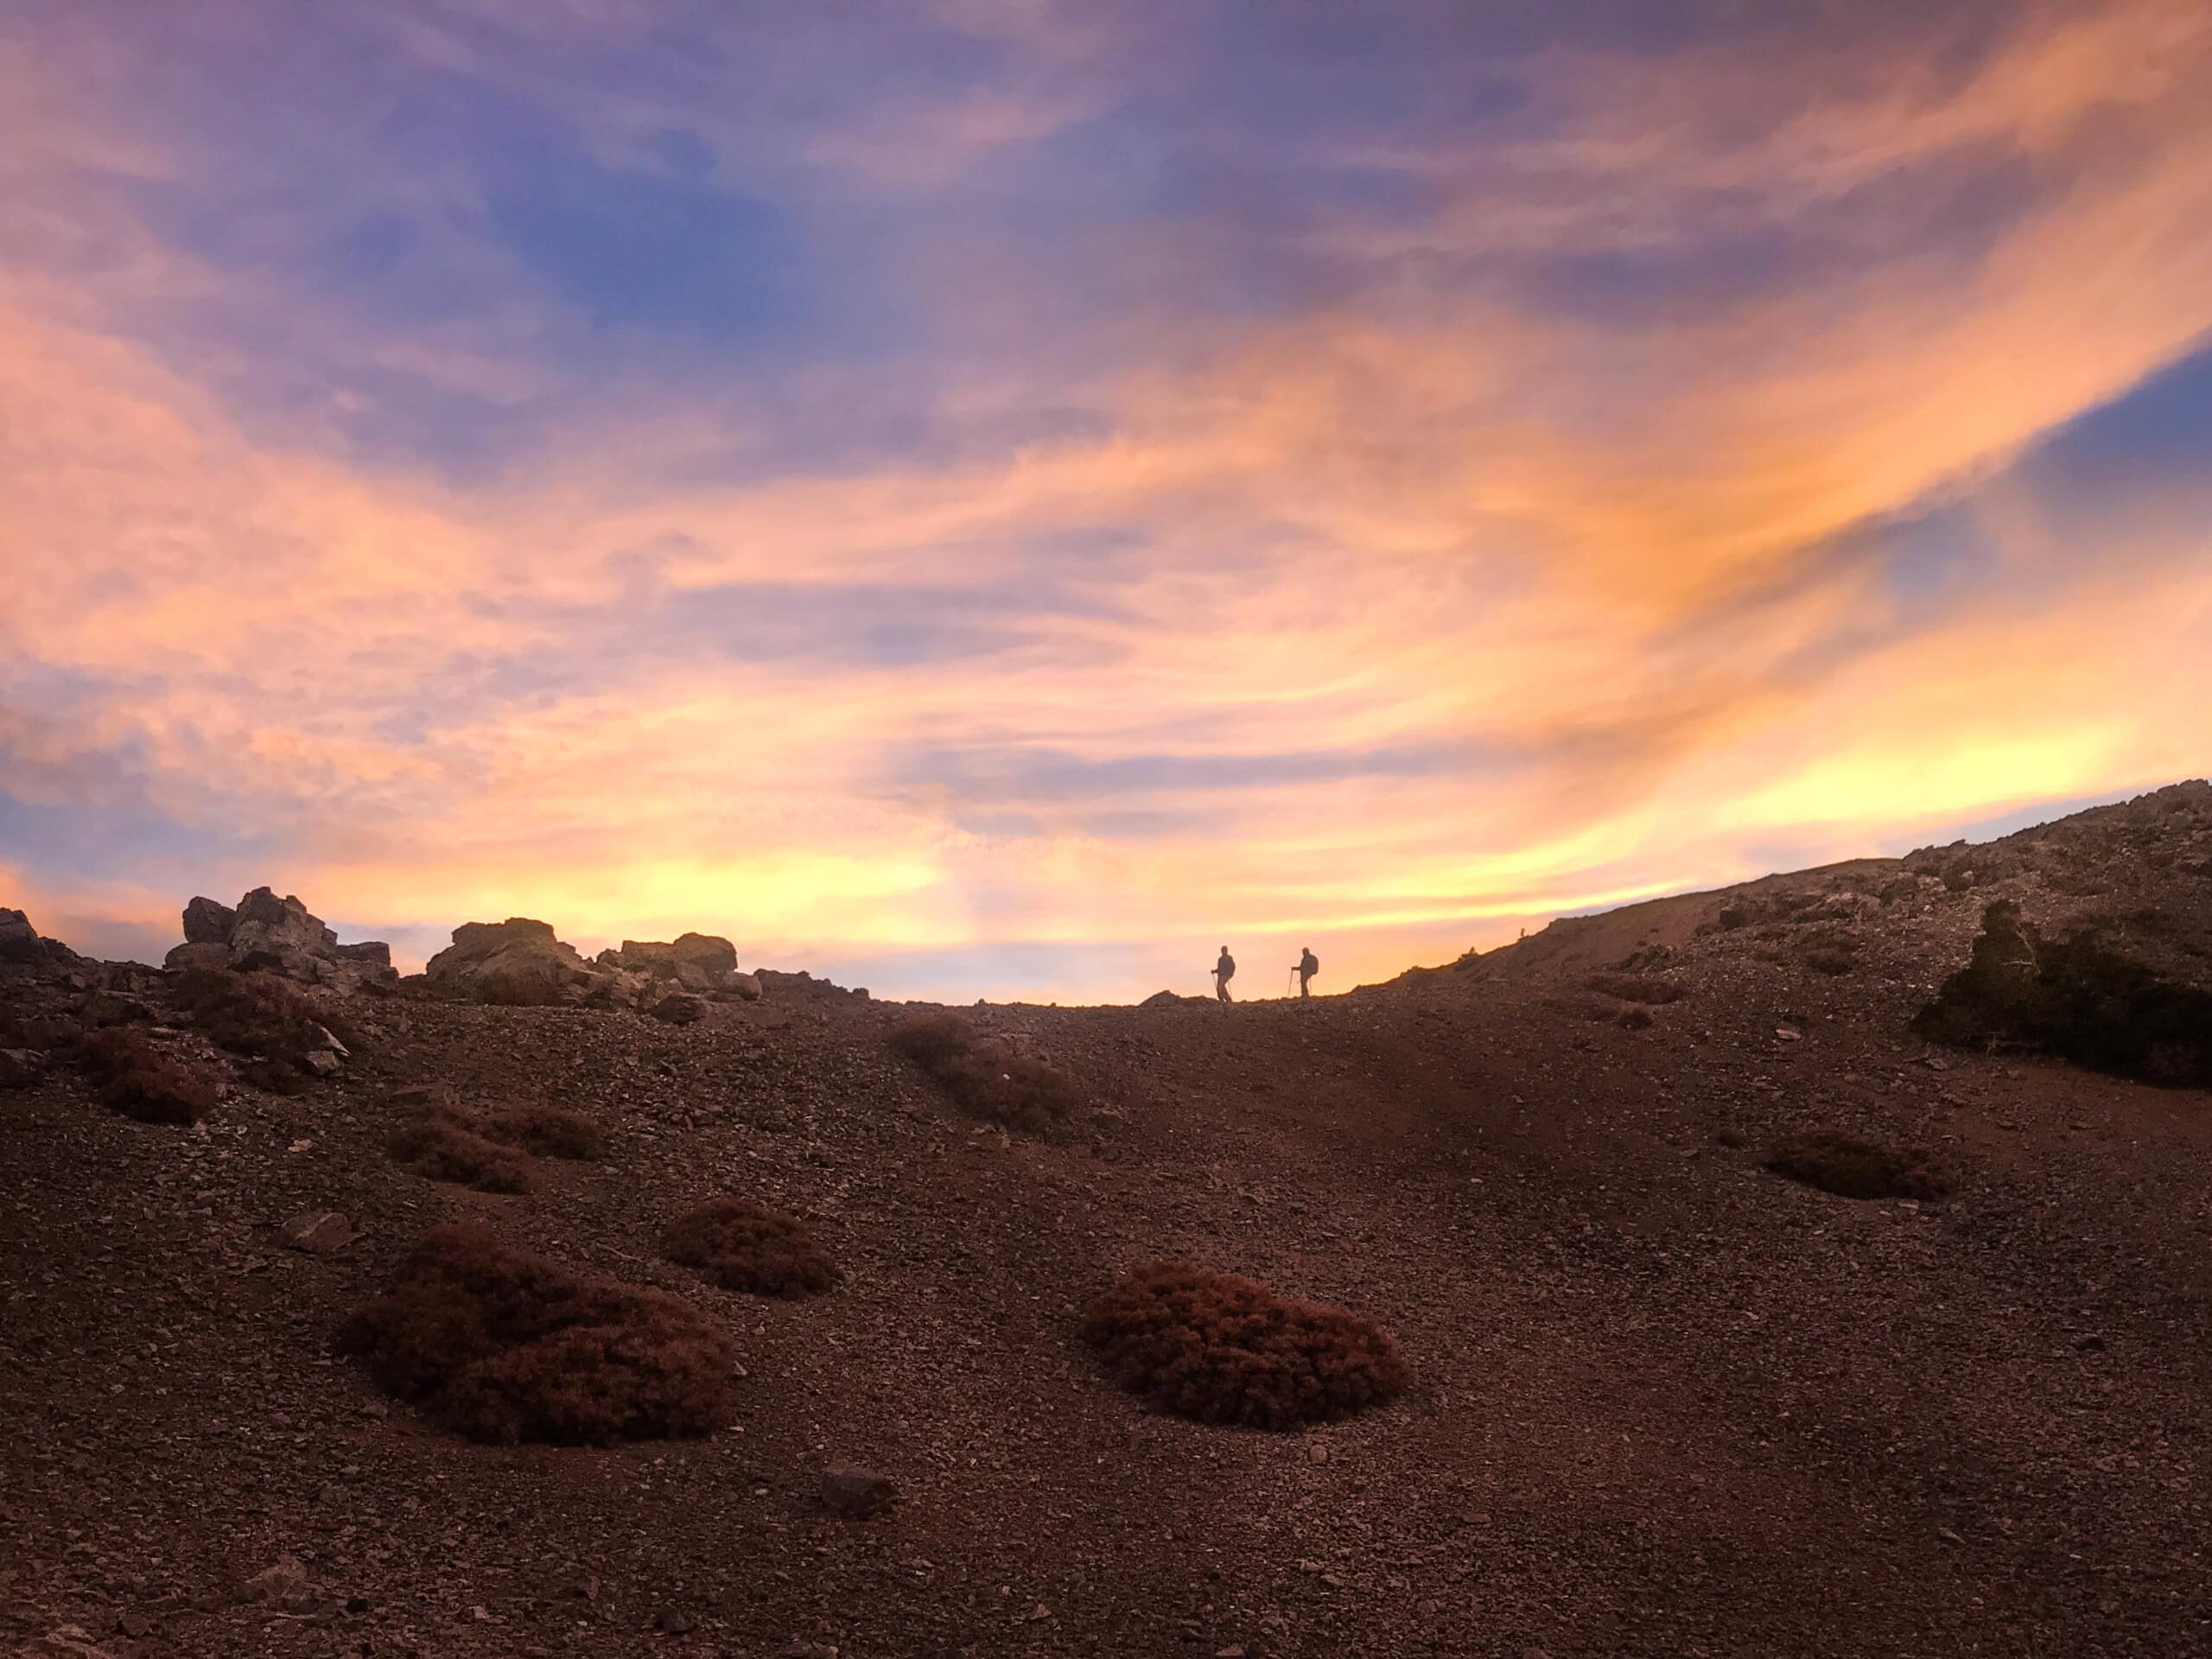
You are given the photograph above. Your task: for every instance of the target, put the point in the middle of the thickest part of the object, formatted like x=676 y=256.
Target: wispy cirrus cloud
x=992 y=500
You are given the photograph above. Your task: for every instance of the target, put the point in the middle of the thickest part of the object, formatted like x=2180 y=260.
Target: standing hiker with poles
x=1308 y=965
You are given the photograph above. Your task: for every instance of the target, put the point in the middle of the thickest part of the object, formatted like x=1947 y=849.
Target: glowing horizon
x=996 y=499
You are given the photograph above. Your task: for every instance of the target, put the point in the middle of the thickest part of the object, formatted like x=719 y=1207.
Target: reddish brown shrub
x=985 y=1074
x=261 y=1017
x=547 y=1131
x=441 y=1145
x=139 y=1081
x=1225 y=1349
x=499 y=1345
x=742 y=1246
x=1855 y=1169
x=1635 y=987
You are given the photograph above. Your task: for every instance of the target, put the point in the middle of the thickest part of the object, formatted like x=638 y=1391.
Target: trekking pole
x=1292 y=980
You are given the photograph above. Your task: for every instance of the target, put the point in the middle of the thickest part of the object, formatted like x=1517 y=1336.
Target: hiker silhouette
x=1308 y=965
x=1224 y=971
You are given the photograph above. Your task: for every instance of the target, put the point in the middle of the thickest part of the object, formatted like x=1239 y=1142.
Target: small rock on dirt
x=318 y=1232
x=680 y=1009
x=855 y=1494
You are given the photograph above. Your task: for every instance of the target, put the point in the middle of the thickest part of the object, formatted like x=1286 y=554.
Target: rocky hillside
x=1658 y=1397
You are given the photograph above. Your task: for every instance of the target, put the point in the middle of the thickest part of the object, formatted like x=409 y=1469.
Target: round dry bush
x=1856 y=1169
x=1225 y=1349
x=441 y=1145
x=548 y=1131
x=744 y=1247
x=499 y=1345
x=141 y=1082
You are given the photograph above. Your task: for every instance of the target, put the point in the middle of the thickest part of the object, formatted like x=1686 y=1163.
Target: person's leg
x=1221 y=990
x=1305 y=987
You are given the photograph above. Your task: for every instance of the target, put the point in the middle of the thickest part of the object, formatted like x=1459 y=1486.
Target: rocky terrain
x=1660 y=1400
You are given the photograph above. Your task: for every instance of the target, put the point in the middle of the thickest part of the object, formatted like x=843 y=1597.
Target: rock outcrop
x=700 y=963
x=268 y=934
x=515 y=963
x=519 y=963
x=20 y=944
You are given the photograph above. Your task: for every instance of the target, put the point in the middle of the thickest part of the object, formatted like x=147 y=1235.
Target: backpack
x=1310 y=965
x=1227 y=969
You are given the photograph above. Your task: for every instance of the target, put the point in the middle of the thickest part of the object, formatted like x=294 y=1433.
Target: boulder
x=745 y=986
x=183 y=957
x=318 y=1232
x=206 y=922
x=855 y=1494
x=19 y=940
x=265 y=934
x=515 y=963
x=680 y=1008
x=20 y=1067
x=697 y=961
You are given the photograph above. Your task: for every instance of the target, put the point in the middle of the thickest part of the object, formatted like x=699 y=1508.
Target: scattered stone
x=283 y=1586
x=855 y=1494
x=1317 y=1453
x=71 y=1642
x=1789 y=1033
x=414 y=1094
x=20 y=1067
x=113 y=1008
x=679 y=1009
x=324 y=1063
x=136 y=1626
x=318 y=1232
x=670 y=1621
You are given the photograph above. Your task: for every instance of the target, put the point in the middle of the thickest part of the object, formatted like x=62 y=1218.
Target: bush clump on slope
x=442 y=1144
x=986 y=1075
x=546 y=1131
x=261 y=1018
x=1225 y=1349
x=1855 y=1169
x=139 y=1081
x=497 y=1343
x=744 y=1247
x=2075 y=998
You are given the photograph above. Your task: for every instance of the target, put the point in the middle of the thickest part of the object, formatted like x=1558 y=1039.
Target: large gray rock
x=696 y=962
x=268 y=934
x=515 y=963
x=20 y=944
x=18 y=938
x=206 y=922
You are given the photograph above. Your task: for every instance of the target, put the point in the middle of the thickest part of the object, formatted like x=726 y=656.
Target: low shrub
x=499 y=1345
x=2075 y=998
x=261 y=1017
x=744 y=1247
x=545 y=1131
x=1855 y=1169
x=441 y=1145
x=1222 y=1349
x=1635 y=987
x=138 y=1080
x=986 y=1075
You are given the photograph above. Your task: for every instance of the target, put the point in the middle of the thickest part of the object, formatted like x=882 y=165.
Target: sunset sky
x=999 y=498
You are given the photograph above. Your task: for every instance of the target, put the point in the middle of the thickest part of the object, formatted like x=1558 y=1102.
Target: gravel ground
x=1663 y=1403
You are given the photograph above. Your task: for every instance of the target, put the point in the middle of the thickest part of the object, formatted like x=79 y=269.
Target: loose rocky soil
x=1662 y=1402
